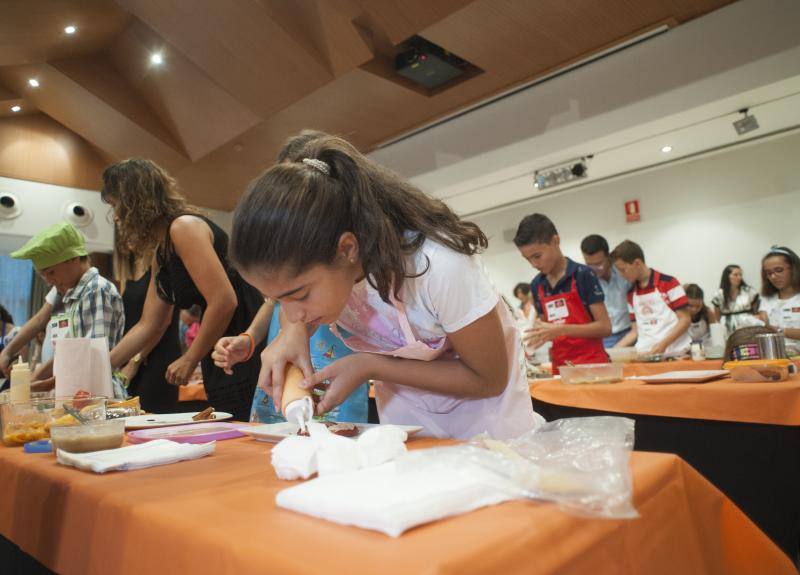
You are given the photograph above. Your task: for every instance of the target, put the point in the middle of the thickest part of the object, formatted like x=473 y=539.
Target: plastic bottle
x=20 y=382
x=296 y=403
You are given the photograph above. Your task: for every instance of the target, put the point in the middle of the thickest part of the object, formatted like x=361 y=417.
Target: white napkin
x=392 y=498
x=150 y=454
x=82 y=363
x=327 y=453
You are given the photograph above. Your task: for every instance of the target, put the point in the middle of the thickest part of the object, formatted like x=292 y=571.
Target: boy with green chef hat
x=82 y=302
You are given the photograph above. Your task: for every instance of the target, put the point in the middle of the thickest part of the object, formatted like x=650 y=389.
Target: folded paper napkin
x=150 y=454
x=581 y=464
x=400 y=494
x=326 y=453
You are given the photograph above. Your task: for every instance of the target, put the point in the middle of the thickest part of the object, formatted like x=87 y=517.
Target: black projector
x=428 y=68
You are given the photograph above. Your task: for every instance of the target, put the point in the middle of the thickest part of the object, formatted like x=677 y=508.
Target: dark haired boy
x=615 y=288
x=567 y=297
x=657 y=305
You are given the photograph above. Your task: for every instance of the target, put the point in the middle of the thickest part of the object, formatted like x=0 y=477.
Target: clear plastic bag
x=579 y=463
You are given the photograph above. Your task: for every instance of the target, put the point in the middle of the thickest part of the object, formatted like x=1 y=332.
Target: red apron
x=567 y=308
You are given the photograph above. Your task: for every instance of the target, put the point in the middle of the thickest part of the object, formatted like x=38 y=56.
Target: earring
x=352 y=260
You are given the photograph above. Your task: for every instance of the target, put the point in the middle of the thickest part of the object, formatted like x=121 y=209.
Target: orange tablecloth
x=192 y=392
x=722 y=400
x=218 y=515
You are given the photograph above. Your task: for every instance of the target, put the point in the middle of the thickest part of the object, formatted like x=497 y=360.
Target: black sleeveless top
x=156 y=395
x=174 y=285
x=173 y=282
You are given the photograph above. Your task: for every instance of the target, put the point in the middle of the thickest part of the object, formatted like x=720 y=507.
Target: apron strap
x=402 y=318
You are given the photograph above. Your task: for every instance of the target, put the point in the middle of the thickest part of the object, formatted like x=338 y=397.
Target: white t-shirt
x=783 y=313
x=453 y=292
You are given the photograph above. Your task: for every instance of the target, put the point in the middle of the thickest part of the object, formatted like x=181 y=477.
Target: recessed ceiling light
x=16 y=108
x=666 y=149
x=70 y=30
x=33 y=83
x=156 y=58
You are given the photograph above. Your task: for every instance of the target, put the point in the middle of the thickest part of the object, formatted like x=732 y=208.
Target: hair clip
x=318 y=165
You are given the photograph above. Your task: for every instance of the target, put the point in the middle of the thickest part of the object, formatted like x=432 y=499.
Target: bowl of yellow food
x=24 y=421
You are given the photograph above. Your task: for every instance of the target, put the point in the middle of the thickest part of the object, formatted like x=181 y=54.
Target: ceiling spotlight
x=16 y=108
x=156 y=58
x=70 y=30
x=745 y=124
x=666 y=149
x=33 y=83
x=560 y=174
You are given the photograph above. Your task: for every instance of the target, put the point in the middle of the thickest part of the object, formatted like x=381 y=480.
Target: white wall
x=44 y=205
x=697 y=215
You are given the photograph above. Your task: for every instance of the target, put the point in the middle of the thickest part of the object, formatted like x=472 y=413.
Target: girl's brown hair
x=293 y=215
x=146 y=200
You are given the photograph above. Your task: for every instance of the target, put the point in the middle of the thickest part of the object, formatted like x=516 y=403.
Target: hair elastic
x=318 y=165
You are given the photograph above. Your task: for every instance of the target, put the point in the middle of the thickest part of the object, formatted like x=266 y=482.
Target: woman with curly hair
x=190 y=267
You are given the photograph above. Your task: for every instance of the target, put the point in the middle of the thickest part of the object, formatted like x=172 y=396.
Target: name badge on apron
x=557 y=310
x=61 y=326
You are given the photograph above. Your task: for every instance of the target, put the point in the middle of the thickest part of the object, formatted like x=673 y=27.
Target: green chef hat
x=53 y=245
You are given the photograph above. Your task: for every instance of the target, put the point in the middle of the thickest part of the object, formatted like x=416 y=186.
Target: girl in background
x=735 y=303
x=780 y=288
x=701 y=316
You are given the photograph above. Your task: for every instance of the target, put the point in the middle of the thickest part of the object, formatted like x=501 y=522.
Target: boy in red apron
x=657 y=303
x=567 y=296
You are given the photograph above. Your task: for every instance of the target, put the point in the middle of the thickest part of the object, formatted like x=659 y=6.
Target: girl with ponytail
x=339 y=240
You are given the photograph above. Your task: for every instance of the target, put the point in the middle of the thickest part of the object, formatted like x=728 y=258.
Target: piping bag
x=296 y=403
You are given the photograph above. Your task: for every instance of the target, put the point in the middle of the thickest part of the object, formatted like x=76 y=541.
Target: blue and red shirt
x=586 y=281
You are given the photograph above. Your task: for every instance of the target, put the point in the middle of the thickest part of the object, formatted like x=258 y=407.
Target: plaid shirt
x=96 y=306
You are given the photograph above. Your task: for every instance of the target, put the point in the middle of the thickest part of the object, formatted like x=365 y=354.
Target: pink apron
x=387 y=331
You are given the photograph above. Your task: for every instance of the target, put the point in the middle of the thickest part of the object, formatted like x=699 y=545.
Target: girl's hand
x=180 y=371
x=43 y=384
x=229 y=351
x=344 y=375
x=39 y=374
x=5 y=362
x=131 y=369
x=659 y=348
x=290 y=346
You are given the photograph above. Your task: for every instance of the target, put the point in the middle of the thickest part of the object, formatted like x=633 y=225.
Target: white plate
x=166 y=419
x=694 y=376
x=275 y=432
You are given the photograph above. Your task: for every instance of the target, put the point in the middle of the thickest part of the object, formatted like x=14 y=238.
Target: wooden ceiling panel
x=240 y=76
x=327 y=26
x=359 y=106
x=97 y=75
x=543 y=35
x=400 y=19
x=202 y=123
x=37 y=148
x=102 y=111
x=33 y=30
x=6 y=105
x=238 y=45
